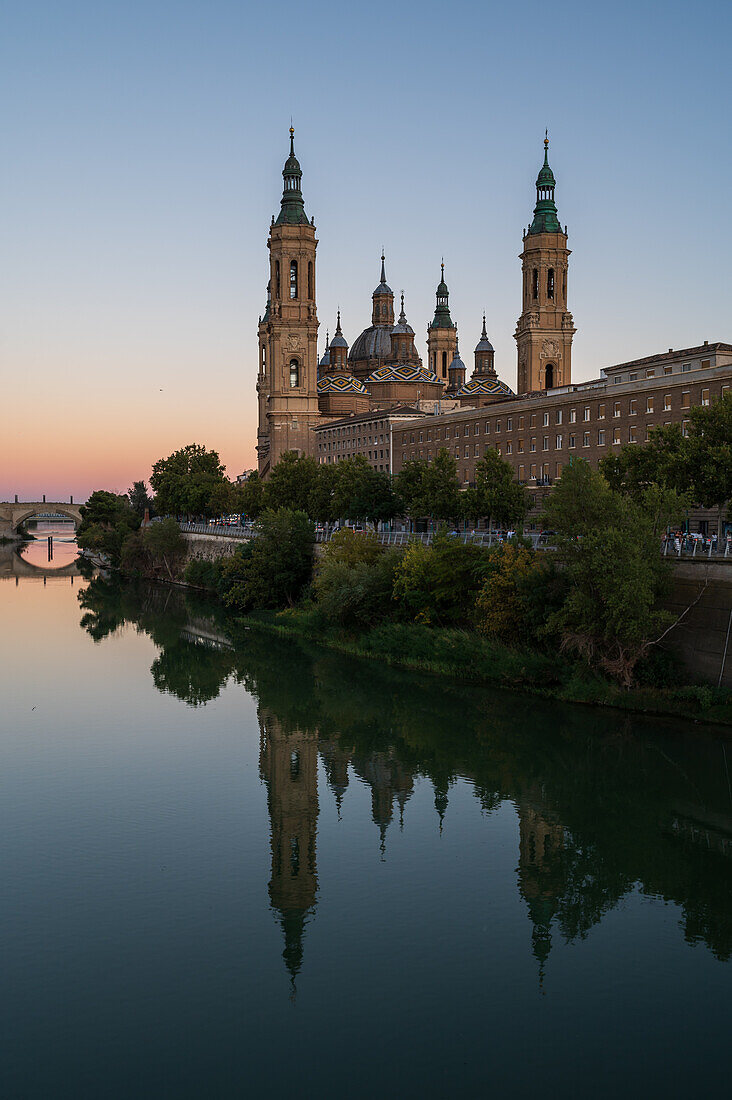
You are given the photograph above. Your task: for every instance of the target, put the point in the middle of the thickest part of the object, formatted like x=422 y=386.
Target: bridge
x=12 y=515
x=12 y=565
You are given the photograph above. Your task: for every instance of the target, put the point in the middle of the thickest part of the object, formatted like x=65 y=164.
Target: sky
x=142 y=149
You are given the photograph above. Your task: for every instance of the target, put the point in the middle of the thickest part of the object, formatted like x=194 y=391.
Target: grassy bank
x=475 y=659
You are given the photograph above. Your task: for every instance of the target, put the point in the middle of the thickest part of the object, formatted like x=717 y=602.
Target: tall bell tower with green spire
x=441 y=333
x=545 y=328
x=287 y=383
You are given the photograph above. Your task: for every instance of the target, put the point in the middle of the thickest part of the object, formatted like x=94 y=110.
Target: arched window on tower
x=293 y=279
x=550 y=283
x=277 y=278
x=564 y=289
x=294 y=374
x=535 y=289
x=548 y=376
x=264 y=359
x=311 y=281
x=444 y=364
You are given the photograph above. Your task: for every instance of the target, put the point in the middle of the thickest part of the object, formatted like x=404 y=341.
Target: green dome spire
x=292 y=210
x=442 y=318
x=545 y=211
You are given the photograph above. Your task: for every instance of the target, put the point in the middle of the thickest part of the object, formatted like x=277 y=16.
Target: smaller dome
x=339 y=340
x=484 y=343
x=383 y=289
x=546 y=176
x=325 y=361
x=457 y=363
x=402 y=324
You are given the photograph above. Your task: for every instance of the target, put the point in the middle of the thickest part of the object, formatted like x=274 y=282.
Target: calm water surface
x=234 y=866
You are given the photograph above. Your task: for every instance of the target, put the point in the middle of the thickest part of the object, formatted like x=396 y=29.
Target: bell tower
x=545 y=328
x=287 y=383
x=441 y=334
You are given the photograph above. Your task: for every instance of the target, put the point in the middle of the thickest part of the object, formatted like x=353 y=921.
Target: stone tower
x=545 y=328
x=288 y=764
x=456 y=372
x=287 y=384
x=441 y=334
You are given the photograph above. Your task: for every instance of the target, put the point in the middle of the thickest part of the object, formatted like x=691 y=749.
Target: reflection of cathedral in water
x=541 y=842
x=289 y=768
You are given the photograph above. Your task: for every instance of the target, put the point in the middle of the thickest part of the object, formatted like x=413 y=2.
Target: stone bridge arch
x=15 y=514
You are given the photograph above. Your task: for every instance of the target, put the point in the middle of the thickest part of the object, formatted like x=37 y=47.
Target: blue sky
x=142 y=150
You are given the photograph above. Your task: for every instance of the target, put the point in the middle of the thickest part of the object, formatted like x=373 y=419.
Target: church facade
x=299 y=394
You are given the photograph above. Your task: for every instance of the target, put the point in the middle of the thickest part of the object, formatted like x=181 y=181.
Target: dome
x=325 y=361
x=484 y=343
x=402 y=324
x=485 y=386
x=457 y=363
x=339 y=383
x=383 y=289
x=402 y=372
x=373 y=343
x=339 y=340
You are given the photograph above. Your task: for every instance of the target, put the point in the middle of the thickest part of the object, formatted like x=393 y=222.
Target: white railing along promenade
x=685 y=548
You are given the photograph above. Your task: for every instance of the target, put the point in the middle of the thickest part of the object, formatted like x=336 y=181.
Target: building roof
x=406 y=411
x=382 y=288
x=341 y=383
x=402 y=372
x=665 y=357
x=373 y=343
x=403 y=324
x=292 y=207
x=485 y=386
x=484 y=343
x=442 y=318
x=339 y=340
x=545 y=211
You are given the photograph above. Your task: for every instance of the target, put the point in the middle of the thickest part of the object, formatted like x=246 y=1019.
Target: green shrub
x=355 y=596
x=202 y=574
x=439 y=584
x=274 y=569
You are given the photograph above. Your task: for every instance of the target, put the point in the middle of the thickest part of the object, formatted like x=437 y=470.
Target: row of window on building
x=615 y=436
x=634 y=407
x=669 y=368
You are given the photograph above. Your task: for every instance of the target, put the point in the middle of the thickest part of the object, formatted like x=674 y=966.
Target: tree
x=191 y=481
x=107 y=520
x=439 y=584
x=497 y=495
x=250 y=496
x=155 y=552
x=359 y=491
x=501 y=602
x=710 y=454
x=441 y=488
x=274 y=568
x=408 y=486
x=140 y=499
x=291 y=483
x=615 y=573
x=662 y=461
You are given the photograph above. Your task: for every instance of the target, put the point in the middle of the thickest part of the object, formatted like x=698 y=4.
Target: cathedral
x=298 y=393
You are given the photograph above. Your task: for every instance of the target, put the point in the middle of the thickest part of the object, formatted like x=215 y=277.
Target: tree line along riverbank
x=584 y=624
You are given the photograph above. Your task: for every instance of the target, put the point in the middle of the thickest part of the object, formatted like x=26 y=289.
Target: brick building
x=539 y=433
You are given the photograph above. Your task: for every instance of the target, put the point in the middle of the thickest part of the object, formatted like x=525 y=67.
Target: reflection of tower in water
x=541 y=844
x=288 y=764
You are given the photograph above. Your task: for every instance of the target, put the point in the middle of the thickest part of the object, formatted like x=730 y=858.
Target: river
x=238 y=866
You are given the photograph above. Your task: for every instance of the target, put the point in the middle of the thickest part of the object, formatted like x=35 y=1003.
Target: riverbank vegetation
x=584 y=621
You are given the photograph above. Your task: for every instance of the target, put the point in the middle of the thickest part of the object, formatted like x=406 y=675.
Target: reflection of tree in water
x=605 y=802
